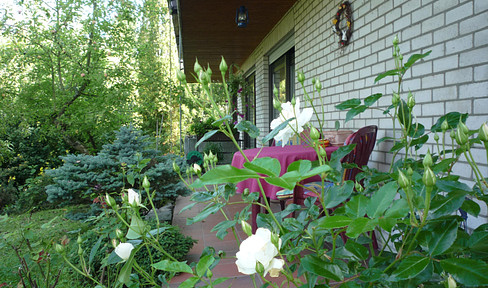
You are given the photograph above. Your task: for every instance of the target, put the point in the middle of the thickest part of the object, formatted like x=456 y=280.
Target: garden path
x=201 y=231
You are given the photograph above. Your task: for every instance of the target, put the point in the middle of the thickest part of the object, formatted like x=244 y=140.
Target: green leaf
x=399 y=209
x=360 y=226
x=172 y=266
x=130 y=179
x=205 y=137
x=124 y=275
x=370 y=100
x=478 y=242
x=275 y=131
x=469 y=272
x=136 y=229
x=288 y=180
x=210 y=209
x=227 y=174
x=385 y=74
x=332 y=222
x=222 y=227
x=414 y=58
x=410 y=267
x=300 y=166
x=451 y=186
x=351 y=103
x=382 y=199
x=266 y=165
x=441 y=205
x=94 y=250
x=113 y=258
x=387 y=223
x=203 y=265
x=354 y=111
x=249 y=128
x=189 y=283
x=358 y=250
x=48 y=224
x=471 y=207
x=452 y=119
x=322 y=268
x=356 y=207
x=338 y=194
x=442 y=238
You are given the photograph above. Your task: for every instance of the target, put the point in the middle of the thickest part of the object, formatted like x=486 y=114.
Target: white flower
x=197 y=169
x=134 y=198
x=123 y=250
x=258 y=248
x=296 y=125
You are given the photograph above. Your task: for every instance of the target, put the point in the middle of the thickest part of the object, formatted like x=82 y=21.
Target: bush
x=119 y=165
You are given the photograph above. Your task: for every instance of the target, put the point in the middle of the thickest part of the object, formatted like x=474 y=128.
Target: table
x=285 y=155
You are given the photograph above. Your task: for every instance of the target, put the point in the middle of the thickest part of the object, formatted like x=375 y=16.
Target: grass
x=43 y=229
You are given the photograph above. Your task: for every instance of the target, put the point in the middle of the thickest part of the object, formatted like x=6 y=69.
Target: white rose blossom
x=134 y=198
x=258 y=248
x=123 y=250
x=296 y=125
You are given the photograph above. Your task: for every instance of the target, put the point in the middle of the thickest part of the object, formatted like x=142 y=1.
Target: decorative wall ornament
x=346 y=32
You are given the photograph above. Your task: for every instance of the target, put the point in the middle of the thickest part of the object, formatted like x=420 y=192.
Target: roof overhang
x=206 y=30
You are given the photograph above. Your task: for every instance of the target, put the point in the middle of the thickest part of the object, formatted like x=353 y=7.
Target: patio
x=201 y=231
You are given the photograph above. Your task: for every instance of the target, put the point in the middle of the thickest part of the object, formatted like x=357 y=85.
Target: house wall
x=454 y=77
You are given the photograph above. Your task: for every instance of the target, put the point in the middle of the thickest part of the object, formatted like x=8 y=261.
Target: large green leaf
x=275 y=131
x=356 y=207
x=360 y=226
x=410 y=267
x=442 y=238
x=94 y=250
x=189 y=283
x=451 y=186
x=370 y=100
x=227 y=174
x=382 y=199
x=452 y=119
x=338 y=194
x=172 y=266
x=469 y=272
x=323 y=268
x=471 y=207
x=332 y=222
x=137 y=228
x=387 y=223
x=288 y=180
x=300 y=166
x=358 y=250
x=205 y=137
x=210 y=209
x=266 y=165
x=249 y=128
x=355 y=111
x=204 y=264
x=385 y=74
x=222 y=228
x=445 y=205
x=478 y=242
x=351 y=103
x=399 y=209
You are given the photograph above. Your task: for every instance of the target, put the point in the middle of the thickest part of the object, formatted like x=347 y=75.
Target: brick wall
x=453 y=78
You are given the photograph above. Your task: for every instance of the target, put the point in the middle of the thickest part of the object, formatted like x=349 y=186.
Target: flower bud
x=358 y=187
x=410 y=100
x=180 y=75
x=259 y=268
x=79 y=240
x=209 y=72
x=463 y=126
x=203 y=77
x=246 y=228
x=318 y=86
x=395 y=40
x=300 y=77
x=197 y=68
x=451 y=283
x=275 y=240
x=314 y=81
x=59 y=248
x=395 y=99
x=314 y=133
x=403 y=181
x=120 y=235
x=400 y=57
x=176 y=168
x=436 y=137
x=110 y=200
x=293 y=101
x=246 y=192
x=453 y=134
x=145 y=183
x=429 y=177
x=80 y=251
x=275 y=91
x=322 y=152
x=444 y=125
x=223 y=66
x=427 y=162
x=197 y=169
x=461 y=137
x=277 y=104
x=209 y=273
x=483 y=133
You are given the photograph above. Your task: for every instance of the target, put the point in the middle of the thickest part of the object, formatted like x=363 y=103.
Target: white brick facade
x=454 y=77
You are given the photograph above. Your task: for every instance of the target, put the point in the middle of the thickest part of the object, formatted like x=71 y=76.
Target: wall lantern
x=242 y=17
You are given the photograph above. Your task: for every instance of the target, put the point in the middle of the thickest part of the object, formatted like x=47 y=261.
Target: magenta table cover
x=286 y=155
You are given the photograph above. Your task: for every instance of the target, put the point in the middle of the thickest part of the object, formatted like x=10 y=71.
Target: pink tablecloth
x=286 y=155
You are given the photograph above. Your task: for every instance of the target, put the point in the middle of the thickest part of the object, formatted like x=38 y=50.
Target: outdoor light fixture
x=242 y=17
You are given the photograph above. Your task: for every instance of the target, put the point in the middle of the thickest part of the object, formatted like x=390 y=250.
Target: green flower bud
x=180 y=75
x=223 y=66
x=403 y=181
x=246 y=192
x=176 y=168
x=209 y=273
x=463 y=126
x=400 y=57
x=429 y=177
x=451 y=283
x=197 y=169
x=79 y=240
x=293 y=101
x=322 y=152
x=275 y=240
x=483 y=133
x=314 y=81
x=409 y=172
x=277 y=104
x=259 y=268
x=110 y=200
x=395 y=99
x=80 y=251
x=203 y=77
x=197 y=68
x=246 y=228
x=145 y=183
x=444 y=125
x=209 y=72
x=59 y=248
x=436 y=137
x=318 y=86
x=461 y=137
x=275 y=91
x=427 y=162
x=358 y=187
x=410 y=100
x=395 y=40
x=453 y=134
x=120 y=235
x=314 y=133
x=300 y=77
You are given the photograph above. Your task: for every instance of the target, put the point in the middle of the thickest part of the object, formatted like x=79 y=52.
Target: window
x=250 y=109
x=281 y=76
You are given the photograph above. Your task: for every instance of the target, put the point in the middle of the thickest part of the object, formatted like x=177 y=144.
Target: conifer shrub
x=119 y=165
